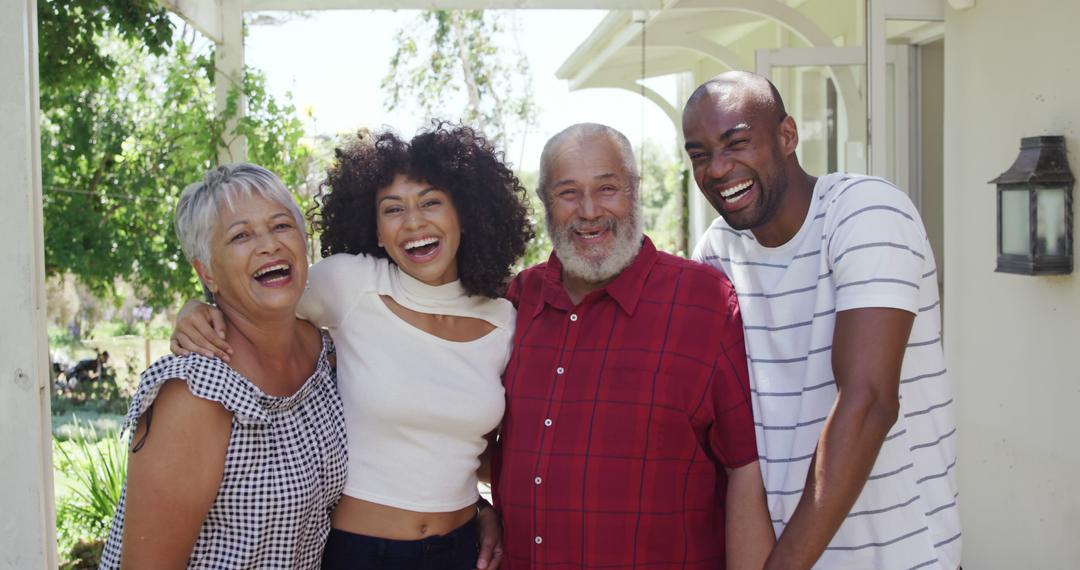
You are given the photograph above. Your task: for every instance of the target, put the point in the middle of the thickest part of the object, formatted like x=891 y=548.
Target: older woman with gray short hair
x=236 y=465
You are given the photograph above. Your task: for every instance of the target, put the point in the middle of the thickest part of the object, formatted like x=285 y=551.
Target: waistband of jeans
x=467 y=533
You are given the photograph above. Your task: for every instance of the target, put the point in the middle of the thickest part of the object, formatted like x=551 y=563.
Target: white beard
x=596 y=264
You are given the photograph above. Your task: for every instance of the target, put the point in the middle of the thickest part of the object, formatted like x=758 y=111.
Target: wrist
x=785 y=557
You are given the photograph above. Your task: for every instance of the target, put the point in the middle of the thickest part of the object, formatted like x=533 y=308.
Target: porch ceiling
x=683 y=33
x=675 y=40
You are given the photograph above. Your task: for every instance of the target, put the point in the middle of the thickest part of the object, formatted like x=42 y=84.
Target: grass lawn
x=64 y=426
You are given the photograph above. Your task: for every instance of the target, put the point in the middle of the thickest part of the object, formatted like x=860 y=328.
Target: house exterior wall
x=1011 y=70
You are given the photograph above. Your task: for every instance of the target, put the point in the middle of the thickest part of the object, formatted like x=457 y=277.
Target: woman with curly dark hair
x=419 y=239
x=486 y=195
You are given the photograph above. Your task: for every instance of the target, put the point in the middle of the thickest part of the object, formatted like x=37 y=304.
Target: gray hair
x=582 y=131
x=197 y=211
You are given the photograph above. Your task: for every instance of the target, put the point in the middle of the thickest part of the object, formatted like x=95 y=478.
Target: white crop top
x=417 y=406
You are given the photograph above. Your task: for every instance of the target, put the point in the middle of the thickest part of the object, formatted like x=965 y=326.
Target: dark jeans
x=455 y=551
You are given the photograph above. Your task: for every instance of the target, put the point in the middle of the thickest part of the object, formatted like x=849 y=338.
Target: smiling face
x=258 y=258
x=739 y=151
x=418 y=227
x=593 y=215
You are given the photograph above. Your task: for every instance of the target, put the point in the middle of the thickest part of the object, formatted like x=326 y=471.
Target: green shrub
x=160 y=331
x=84 y=555
x=72 y=424
x=61 y=338
x=94 y=468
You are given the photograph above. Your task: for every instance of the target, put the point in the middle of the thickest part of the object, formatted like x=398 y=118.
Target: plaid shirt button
x=547 y=422
x=559 y=370
x=573 y=317
x=539 y=540
x=538 y=480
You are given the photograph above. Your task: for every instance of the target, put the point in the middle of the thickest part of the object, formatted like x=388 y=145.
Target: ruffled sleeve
x=206 y=378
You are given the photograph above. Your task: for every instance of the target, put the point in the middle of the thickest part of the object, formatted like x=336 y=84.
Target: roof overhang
x=683 y=32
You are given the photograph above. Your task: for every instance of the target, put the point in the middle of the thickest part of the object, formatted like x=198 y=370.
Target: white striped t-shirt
x=862 y=244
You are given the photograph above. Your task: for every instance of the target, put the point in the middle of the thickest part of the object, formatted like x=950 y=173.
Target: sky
x=334 y=61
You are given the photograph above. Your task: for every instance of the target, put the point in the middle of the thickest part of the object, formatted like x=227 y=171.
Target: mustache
x=590 y=226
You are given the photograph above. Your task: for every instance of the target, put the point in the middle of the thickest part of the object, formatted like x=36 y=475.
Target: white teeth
x=420 y=242
x=735 y=189
x=265 y=270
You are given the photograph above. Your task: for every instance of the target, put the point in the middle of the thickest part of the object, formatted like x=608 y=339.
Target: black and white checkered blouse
x=284 y=468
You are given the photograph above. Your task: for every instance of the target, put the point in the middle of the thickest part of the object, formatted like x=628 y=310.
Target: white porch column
x=27 y=525
x=229 y=74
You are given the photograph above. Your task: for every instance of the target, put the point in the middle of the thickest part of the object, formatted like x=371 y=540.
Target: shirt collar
x=626 y=288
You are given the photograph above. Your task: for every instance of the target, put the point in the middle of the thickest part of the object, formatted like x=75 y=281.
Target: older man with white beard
x=628 y=437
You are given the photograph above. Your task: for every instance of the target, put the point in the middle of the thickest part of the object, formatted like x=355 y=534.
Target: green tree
x=663 y=196
x=128 y=120
x=447 y=51
x=539 y=247
x=70 y=56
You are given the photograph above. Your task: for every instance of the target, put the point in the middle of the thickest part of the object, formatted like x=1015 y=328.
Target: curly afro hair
x=458 y=160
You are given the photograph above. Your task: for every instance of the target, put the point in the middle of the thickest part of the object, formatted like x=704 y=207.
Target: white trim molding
x=203 y=15
x=313 y=5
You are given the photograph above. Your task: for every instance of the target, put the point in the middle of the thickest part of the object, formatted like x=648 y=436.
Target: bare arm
x=747 y=530
x=491 y=548
x=484 y=472
x=200 y=328
x=173 y=478
x=868 y=350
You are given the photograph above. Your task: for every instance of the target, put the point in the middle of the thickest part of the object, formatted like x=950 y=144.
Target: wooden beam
x=229 y=77
x=620 y=39
x=702 y=46
x=629 y=72
x=313 y=5
x=631 y=27
x=919 y=10
x=27 y=533
x=586 y=50
x=203 y=15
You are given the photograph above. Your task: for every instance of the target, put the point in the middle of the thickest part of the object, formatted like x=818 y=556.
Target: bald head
x=741 y=143
x=739 y=90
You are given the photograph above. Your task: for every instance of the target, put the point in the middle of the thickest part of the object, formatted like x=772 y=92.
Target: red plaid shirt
x=622 y=413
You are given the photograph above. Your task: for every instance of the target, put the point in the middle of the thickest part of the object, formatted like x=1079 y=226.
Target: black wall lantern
x=1034 y=210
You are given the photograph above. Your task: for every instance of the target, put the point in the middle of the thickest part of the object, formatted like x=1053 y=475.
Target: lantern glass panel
x=1050 y=221
x=1015 y=222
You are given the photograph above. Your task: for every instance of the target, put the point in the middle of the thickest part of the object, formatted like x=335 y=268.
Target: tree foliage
x=448 y=52
x=68 y=34
x=663 y=196
x=127 y=121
